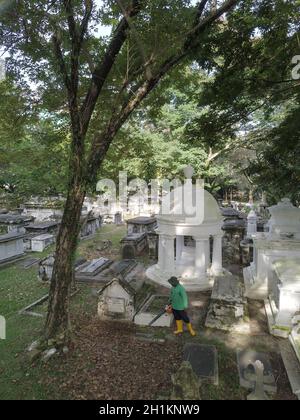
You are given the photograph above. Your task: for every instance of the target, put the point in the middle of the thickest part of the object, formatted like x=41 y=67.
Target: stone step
x=291 y=364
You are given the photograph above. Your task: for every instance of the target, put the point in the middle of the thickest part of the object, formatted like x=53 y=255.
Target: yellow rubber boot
x=179 y=325
x=191 y=330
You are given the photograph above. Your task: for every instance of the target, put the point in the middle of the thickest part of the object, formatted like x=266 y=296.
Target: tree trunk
x=58 y=321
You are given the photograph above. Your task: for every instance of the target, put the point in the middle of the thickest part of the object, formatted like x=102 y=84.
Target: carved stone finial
x=189 y=172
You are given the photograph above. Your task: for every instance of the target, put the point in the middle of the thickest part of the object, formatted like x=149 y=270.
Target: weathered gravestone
x=228 y=307
x=259 y=393
x=185 y=384
x=116 y=301
x=246 y=360
x=204 y=361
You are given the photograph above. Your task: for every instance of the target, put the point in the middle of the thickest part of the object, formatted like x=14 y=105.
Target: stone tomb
x=133 y=245
x=246 y=359
x=11 y=246
x=40 y=243
x=281 y=242
x=37 y=229
x=284 y=296
x=90 y=270
x=14 y=223
x=90 y=226
x=192 y=263
x=204 y=361
x=152 y=307
x=46 y=267
x=141 y=225
x=228 y=307
x=116 y=301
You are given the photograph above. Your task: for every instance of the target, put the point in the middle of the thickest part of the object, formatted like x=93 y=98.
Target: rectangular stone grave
x=228 y=308
x=204 y=361
x=124 y=267
x=92 y=268
x=228 y=289
x=292 y=365
x=246 y=374
x=11 y=247
x=92 y=271
x=152 y=307
x=40 y=243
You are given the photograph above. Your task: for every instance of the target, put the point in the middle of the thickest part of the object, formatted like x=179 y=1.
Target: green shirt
x=178 y=298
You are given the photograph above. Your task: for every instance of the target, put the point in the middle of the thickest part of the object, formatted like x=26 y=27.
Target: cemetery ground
x=113 y=360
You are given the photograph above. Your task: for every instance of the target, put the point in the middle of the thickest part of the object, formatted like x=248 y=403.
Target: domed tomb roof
x=190 y=204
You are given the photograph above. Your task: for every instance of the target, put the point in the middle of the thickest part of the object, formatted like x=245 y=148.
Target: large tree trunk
x=58 y=322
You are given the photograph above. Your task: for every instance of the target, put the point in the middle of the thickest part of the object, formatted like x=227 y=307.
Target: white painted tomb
x=184 y=238
x=40 y=243
x=11 y=246
x=284 y=296
x=281 y=242
x=116 y=301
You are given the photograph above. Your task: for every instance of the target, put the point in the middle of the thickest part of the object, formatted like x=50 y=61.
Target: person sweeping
x=179 y=304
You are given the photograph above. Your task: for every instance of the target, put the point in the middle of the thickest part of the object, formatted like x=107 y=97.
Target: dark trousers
x=181 y=316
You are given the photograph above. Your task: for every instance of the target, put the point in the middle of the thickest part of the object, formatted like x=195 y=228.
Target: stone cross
x=259 y=393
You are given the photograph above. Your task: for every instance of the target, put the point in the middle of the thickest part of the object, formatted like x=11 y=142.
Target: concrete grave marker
x=246 y=360
x=204 y=361
x=259 y=393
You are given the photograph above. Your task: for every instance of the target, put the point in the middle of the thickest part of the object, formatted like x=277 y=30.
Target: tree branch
x=101 y=143
x=104 y=67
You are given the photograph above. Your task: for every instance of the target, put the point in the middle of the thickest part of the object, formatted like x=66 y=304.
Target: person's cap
x=173 y=281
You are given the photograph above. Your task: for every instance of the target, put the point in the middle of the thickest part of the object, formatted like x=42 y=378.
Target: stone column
x=169 y=253
x=217 y=260
x=201 y=256
x=179 y=248
x=161 y=252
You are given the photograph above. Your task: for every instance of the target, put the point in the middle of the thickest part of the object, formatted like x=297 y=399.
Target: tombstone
x=116 y=301
x=118 y=218
x=185 y=384
x=11 y=246
x=40 y=243
x=204 y=361
x=246 y=360
x=133 y=245
x=89 y=227
x=259 y=392
x=46 y=268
